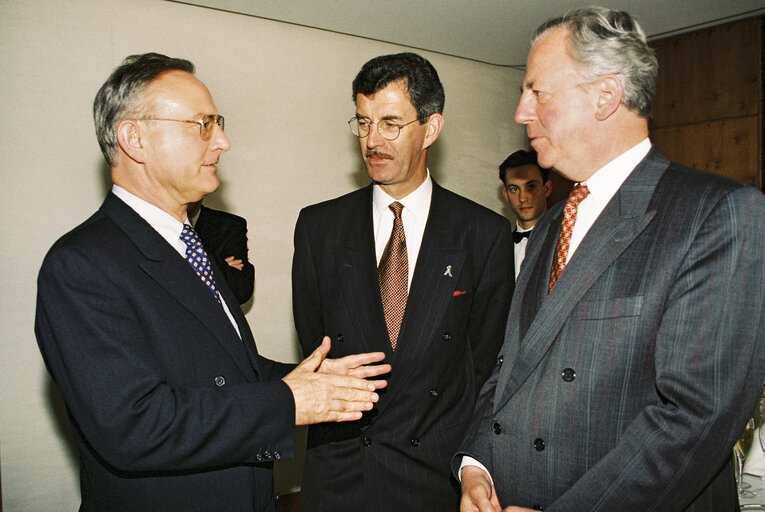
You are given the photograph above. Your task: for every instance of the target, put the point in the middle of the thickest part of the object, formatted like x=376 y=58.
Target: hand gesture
x=335 y=389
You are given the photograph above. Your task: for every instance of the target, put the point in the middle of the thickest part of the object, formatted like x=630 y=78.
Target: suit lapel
x=435 y=278
x=168 y=269
x=622 y=220
x=358 y=271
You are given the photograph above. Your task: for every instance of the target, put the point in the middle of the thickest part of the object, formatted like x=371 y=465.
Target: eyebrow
x=389 y=117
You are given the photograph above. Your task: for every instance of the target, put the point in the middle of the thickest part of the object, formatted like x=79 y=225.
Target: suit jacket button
x=434 y=393
x=277 y=455
x=539 y=444
x=366 y=441
x=497 y=428
x=538 y=507
x=446 y=336
x=220 y=380
x=500 y=360
x=268 y=455
x=340 y=338
x=259 y=457
x=568 y=374
x=415 y=442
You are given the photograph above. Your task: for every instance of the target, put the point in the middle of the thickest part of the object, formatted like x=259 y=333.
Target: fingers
x=312 y=362
x=370 y=371
x=234 y=262
x=320 y=397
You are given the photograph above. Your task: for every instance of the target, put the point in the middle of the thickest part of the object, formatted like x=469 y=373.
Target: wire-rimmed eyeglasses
x=206 y=124
x=388 y=129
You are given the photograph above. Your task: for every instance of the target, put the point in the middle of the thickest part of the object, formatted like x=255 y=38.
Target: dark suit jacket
x=627 y=386
x=224 y=234
x=172 y=411
x=397 y=457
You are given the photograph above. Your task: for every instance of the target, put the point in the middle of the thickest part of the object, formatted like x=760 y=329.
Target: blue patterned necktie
x=197 y=258
x=393 y=273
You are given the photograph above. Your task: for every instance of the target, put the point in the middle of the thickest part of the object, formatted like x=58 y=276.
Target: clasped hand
x=479 y=494
x=335 y=389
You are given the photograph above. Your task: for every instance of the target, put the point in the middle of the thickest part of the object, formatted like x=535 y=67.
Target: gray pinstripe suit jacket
x=626 y=387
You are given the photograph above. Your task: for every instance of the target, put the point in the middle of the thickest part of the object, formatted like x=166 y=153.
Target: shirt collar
x=163 y=223
x=417 y=202
x=607 y=180
x=519 y=229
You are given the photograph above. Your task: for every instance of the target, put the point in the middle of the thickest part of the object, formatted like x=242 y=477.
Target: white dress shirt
x=414 y=216
x=520 y=248
x=602 y=185
x=168 y=228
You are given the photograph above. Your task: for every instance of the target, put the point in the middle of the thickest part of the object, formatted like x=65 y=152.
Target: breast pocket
x=608 y=308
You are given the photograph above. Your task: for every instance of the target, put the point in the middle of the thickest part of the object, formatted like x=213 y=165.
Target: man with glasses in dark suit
x=405 y=267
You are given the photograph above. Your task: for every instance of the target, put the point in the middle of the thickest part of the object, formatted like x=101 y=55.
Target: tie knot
x=396 y=208
x=189 y=236
x=578 y=193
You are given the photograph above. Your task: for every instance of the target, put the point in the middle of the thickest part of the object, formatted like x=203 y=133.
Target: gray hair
x=118 y=97
x=603 y=41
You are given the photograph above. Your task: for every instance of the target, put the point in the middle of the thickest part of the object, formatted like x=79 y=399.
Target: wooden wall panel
x=709 y=74
x=708 y=109
x=728 y=147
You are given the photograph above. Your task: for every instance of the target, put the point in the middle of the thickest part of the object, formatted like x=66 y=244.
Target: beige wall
x=285 y=92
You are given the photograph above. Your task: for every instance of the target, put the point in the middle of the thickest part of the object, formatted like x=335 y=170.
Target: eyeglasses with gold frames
x=388 y=129
x=206 y=124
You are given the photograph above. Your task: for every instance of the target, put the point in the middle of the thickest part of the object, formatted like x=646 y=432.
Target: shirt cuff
x=470 y=461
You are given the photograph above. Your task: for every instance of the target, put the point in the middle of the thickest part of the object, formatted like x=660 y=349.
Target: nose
x=524 y=114
x=219 y=141
x=374 y=139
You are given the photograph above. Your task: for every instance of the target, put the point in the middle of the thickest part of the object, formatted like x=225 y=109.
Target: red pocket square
x=457 y=293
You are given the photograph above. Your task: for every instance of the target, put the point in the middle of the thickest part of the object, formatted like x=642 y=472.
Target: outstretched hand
x=335 y=389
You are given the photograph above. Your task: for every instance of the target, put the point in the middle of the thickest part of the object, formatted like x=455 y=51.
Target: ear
x=504 y=193
x=548 y=187
x=434 y=125
x=609 y=98
x=129 y=140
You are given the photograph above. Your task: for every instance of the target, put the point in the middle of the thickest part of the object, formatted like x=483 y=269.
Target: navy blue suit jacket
x=172 y=410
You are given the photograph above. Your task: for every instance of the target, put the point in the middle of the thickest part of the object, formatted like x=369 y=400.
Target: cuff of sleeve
x=470 y=461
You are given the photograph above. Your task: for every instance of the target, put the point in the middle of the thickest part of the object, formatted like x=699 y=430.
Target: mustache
x=377 y=154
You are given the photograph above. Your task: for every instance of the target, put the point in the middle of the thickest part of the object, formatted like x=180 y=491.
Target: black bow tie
x=520 y=235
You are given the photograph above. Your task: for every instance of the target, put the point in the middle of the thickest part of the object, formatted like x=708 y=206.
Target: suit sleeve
x=709 y=372
x=306 y=297
x=488 y=316
x=234 y=244
x=112 y=371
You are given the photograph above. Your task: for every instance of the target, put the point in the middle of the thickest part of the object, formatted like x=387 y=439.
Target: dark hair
x=604 y=41
x=519 y=159
x=418 y=75
x=117 y=98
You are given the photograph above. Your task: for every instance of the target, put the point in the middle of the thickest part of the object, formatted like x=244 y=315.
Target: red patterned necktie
x=393 y=273
x=197 y=258
x=576 y=196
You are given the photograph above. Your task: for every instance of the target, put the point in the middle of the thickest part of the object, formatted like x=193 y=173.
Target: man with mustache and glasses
x=408 y=268
x=173 y=408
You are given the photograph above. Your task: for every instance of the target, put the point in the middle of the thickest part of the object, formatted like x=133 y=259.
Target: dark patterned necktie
x=578 y=193
x=393 y=273
x=197 y=258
